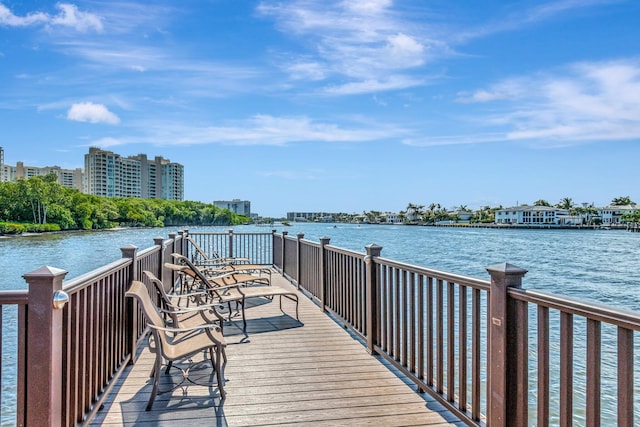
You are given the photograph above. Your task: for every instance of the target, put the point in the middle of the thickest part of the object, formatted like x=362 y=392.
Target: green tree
x=566 y=203
x=622 y=201
x=541 y=202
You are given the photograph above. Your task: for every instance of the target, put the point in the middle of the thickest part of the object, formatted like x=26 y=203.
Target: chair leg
x=244 y=318
x=169 y=365
x=156 y=380
x=220 y=370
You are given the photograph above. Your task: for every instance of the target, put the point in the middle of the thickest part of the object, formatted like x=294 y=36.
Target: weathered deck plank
x=284 y=372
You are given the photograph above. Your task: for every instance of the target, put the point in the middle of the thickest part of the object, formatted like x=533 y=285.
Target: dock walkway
x=283 y=372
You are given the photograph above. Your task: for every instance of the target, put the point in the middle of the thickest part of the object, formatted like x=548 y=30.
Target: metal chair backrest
x=139 y=291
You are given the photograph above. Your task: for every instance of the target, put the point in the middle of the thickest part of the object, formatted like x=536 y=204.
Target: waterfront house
x=530 y=215
x=392 y=218
x=463 y=216
x=612 y=215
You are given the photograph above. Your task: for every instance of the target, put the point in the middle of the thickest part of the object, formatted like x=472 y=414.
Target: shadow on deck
x=283 y=372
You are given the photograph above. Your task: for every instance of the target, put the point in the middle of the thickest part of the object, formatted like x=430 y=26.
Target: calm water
x=599 y=265
x=594 y=264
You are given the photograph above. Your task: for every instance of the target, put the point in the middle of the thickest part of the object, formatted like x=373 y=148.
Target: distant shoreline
x=47 y=233
x=532 y=226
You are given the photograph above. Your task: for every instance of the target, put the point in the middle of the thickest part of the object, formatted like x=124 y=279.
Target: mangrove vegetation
x=42 y=204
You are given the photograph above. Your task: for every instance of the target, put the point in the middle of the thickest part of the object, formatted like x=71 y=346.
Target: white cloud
x=68 y=16
x=360 y=42
x=509 y=89
x=582 y=103
x=405 y=49
x=92 y=113
x=260 y=129
x=369 y=86
x=9 y=19
x=367 y=6
x=106 y=142
x=454 y=139
x=306 y=71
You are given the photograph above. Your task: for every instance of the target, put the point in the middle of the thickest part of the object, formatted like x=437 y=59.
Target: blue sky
x=339 y=106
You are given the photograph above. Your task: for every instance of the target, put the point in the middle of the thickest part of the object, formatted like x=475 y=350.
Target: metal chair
x=178 y=343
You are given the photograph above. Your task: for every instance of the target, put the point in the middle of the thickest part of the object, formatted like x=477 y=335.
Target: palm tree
x=622 y=201
x=566 y=203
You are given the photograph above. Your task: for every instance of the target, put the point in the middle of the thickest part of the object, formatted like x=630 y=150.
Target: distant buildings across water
x=523 y=215
x=548 y=215
x=237 y=206
x=109 y=174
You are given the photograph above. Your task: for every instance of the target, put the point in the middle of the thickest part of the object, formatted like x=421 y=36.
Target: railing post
x=44 y=347
x=181 y=235
x=273 y=247
x=507 y=379
x=300 y=236
x=172 y=238
x=372 y=295
x=130 y=252
x=185 y=243
x=284 y=241
x=230 y=243
x=324 y=241
x=159 y=241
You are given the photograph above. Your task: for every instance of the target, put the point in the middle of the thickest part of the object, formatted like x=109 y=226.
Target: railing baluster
x=398 y=315
x=21 y=365
x=594 y=339
x=522 y=367
x=625 y=377
x=412 y=322
x=422 y=320
x=462 y=347
x=386 y=306
x=404 y=323
x=430 y=326
x=440 y=337
x=1 y=353
x=566 y=369
x=70 y=393
x=475 y=355
x=91 y=352
x=451 y=342
x=543 y=367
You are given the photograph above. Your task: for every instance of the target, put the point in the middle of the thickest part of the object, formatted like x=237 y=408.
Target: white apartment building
x=237 y=206
x=108 y=174
x=71 y=178
x=310 y=216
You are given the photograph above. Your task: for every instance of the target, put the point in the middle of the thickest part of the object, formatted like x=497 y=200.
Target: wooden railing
x=258 y=247
x=468 y=342
x=489 y=351
x=76 y=337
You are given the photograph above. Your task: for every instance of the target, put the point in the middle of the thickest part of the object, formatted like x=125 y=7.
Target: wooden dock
x=282 y=372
